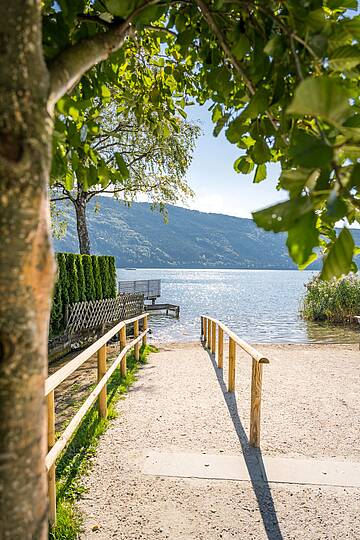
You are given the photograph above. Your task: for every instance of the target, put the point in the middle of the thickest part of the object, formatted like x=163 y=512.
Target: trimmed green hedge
x=80 y=277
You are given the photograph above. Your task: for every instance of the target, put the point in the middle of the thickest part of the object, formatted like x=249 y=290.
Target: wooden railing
x=55 y=447
x=209 y=328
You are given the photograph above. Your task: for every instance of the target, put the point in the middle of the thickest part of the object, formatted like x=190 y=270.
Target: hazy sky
x=218 y=188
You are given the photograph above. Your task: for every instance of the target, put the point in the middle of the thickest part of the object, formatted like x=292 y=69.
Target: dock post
x=232 y=365
x=255 y=411
x=220 y=355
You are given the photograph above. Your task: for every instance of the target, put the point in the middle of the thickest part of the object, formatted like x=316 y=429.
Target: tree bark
x=82 y=229
x=26 y=270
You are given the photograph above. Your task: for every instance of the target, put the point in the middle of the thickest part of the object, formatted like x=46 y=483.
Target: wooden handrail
x=208 y=337
x=56 y=447
x=63 y=373
x=243 y=344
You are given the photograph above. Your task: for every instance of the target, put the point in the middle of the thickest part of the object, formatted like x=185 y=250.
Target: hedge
x=80 y=277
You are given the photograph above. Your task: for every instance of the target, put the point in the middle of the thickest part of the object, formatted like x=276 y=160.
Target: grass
x=76 y=460
x=336 y=301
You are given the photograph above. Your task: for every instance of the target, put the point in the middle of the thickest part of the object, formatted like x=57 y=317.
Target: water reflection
x=261 y=305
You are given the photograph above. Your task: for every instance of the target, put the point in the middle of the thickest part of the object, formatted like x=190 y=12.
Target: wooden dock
x=167 y=308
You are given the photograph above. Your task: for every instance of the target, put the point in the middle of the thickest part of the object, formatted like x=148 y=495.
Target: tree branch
x=69 y=66
x=204 y=8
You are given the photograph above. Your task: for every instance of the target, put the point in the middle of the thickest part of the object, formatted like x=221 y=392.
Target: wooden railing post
x=213 y=337
x=122 y=345
x=101 y=367
x=137 y=345
x=51 y=472
x=220 y=355
x=202 y=332
x=255 y=411
x=145 y=326
x=208 y=338
x=232 y=365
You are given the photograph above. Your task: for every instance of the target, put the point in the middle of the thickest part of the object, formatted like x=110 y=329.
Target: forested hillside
x=138 y=237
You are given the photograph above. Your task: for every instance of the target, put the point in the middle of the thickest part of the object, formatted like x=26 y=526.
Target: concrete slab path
x=176 y=463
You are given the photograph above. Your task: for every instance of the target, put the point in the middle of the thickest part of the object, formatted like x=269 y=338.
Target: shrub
x=63 y=278
x=337 y=300
x=57 y=314
x=90 y=292
x=105 y=276
x=80 y=278
x=112 y=277
x=73 y=278
x=97 y=277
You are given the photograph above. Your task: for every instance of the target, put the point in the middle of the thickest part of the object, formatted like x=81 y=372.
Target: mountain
x=138 y=237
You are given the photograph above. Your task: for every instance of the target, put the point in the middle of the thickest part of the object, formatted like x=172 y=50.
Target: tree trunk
x=26 y=270
x=81 y=224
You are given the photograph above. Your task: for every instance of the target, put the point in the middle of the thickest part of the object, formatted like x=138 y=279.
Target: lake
x=261 y=306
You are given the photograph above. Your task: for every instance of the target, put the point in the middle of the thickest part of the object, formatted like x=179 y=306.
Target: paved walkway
x=176 y=462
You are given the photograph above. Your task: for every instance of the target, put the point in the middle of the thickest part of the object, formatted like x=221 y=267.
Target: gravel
x=310 y=409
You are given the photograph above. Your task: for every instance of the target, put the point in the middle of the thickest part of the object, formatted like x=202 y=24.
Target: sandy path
x=311 y=408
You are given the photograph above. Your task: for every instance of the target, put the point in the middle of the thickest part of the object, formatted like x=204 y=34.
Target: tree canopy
x=281 y=79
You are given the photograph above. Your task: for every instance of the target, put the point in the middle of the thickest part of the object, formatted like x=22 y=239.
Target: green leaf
x=355 y=177
x=339 y=259
x=309 y=151
x=260 y=152
x=294 y=180
x=105 y=92
x=342 y=4
x=241 y=47
x=274 y=46
x=122 y=167
x=257 y=105
x=243 y=165
x=236 y=129
x=302 y=238
x=344 y=58
x=282 y=216
x=260 y=173
x=321 y=97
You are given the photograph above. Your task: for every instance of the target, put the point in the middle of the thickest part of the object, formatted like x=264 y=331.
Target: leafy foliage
x=335 y=300
x=90 y=292
x=80 y=278
x=281 y=78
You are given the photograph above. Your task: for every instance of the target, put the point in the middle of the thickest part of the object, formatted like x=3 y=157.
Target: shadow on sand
x=253 y=460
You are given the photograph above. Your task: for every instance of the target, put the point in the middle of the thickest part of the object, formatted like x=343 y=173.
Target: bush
x=63 y=279
x=80 y=278
x=336 y=301
x=97 y=277
x=112 y=277
x=57 y=314
x=90 y=292
x=105 y=276
x=73 y=278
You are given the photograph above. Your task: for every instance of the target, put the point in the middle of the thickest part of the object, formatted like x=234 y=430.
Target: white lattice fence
x=97 y=313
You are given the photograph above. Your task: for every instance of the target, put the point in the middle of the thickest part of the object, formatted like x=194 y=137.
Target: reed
x=336 y=301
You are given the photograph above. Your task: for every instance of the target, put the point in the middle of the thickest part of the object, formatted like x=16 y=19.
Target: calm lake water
x=261 y=306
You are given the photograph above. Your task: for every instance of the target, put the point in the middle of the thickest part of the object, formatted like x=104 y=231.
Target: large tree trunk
x=26 y=270
x=81 y=224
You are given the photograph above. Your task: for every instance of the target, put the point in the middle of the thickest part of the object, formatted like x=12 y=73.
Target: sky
x=218 y=188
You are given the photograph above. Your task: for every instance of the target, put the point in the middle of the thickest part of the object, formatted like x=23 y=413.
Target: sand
x=310 y=409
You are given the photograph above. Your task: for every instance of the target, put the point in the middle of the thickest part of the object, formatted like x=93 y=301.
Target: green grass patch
x=336 y=301
x=76 y=460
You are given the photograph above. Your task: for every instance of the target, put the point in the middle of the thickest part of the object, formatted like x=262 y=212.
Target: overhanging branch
x=69 y=66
